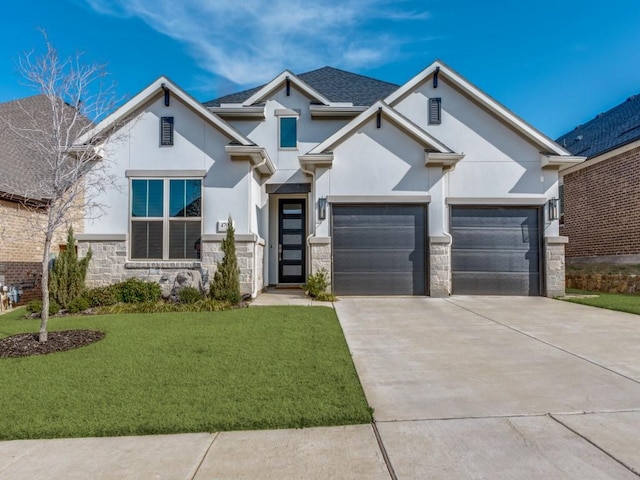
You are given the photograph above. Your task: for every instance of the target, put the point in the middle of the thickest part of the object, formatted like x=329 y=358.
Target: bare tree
x=73 y=97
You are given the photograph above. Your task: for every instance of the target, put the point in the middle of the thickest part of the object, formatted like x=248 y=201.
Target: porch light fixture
x=322 y=208
x=553 y=209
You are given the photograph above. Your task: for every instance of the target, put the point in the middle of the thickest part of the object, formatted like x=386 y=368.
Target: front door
x=291 y=240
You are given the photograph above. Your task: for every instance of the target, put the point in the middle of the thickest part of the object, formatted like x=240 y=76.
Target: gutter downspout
x=445 y=191
x=312 y=174
x=254 y=292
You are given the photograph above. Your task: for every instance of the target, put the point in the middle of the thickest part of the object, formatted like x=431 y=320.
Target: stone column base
x=320 y=255
x=439 y=266
x=554 y=266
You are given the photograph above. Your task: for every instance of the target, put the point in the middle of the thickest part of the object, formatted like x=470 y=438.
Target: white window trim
x=166 y=192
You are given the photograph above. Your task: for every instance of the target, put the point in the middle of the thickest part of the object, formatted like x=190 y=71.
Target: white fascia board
x=558 y=161
x=395 y=117
x=238 y=111
x=335 y=111
x=311 y=162
x=534 y=200
x=481 y=98
x=333 y=199
x=274 y=84
x=257 y=155
x=404 y=123
x=446 y=160
x=148 y=94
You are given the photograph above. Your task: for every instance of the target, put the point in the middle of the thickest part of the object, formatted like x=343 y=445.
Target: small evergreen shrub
x=135 y=290
x=80 y=304
x=101 y=296
x=189 y=295
x=204 y=305
x=35 y=306
x=226 y=281
x=317 y=283
x=325 y=297
x=54 y=307
x=68 y=274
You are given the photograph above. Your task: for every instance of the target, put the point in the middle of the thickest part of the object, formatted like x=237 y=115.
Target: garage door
x=379 y=249
x=495 y=251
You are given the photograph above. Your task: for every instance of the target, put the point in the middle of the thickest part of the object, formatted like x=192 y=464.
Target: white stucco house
x=429 y=188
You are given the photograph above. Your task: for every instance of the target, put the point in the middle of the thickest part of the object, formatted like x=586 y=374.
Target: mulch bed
x=26 y=344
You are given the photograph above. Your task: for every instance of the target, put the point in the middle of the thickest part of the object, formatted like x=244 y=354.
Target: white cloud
x=250 y=41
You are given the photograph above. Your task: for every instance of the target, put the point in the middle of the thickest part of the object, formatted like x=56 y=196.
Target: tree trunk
x=44 y=315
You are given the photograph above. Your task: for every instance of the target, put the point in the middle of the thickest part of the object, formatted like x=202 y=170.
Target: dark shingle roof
x=21 y=167
x=609 y=130
x=335 y=84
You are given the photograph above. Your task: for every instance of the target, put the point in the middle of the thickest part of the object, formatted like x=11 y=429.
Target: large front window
x=166 y=219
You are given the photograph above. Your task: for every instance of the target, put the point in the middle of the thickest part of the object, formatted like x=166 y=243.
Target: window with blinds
x=435 y=111
x=166 y=219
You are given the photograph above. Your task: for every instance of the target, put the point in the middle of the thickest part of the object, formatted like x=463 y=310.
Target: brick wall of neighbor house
x=21 y=246
x=602 y=207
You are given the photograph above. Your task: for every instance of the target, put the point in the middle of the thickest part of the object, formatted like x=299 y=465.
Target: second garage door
x=379 y=249
x=495 y=250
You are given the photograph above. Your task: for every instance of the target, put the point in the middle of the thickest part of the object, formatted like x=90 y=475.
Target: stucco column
x=440 y=266
x=554 y=265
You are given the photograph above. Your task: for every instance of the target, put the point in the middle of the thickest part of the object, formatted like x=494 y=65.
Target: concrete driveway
x=499 y=387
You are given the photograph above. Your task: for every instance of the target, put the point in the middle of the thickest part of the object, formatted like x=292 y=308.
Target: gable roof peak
x=336 y=85
x=114 y=121
x=391 y=114
x=479 y=97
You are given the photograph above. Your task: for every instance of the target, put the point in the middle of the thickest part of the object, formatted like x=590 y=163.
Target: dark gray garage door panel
x=495 y=251
x=379 y=249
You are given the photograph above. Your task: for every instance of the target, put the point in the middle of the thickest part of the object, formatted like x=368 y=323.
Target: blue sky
x=555 y=63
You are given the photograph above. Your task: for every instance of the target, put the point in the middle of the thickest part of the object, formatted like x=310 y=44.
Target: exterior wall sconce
x=553 y=209
x=322 y=208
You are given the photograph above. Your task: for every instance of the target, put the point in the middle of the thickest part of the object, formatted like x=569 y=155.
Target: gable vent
x=435 y=111
x=166 y=131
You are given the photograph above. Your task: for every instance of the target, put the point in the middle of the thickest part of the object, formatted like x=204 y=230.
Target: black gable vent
x=166 y=131
x=435 y=111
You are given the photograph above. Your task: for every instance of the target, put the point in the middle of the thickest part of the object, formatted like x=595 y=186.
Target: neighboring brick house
x=602 y=194
x=22 y=211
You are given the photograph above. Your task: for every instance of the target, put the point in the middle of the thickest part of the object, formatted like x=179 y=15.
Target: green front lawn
x=612 y=301
x=252 y=368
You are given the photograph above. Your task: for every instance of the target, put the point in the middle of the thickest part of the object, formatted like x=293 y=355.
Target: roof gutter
x=26 y=201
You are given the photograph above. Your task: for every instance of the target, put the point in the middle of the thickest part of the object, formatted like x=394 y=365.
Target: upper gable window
x=166 y=131
x=288 y=132
x=435 y=111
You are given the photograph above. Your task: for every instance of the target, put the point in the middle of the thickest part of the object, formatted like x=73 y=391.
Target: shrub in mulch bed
x=27 y=344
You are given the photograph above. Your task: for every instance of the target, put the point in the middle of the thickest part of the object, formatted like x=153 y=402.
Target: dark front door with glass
x=291 y=241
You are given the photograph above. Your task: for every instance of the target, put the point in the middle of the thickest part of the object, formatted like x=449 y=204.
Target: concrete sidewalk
x=284 y=296
x=349 y=452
